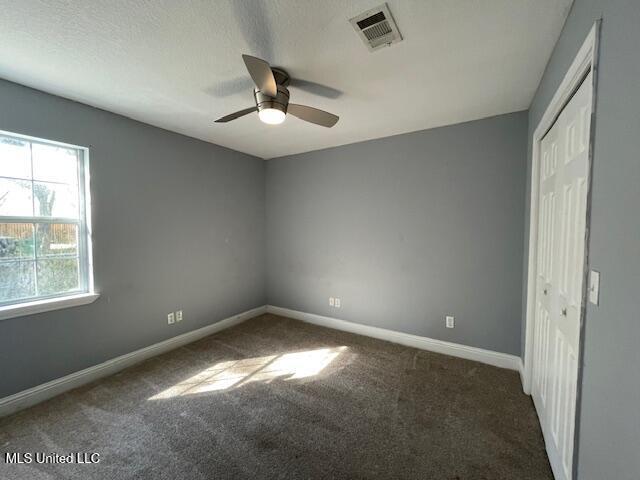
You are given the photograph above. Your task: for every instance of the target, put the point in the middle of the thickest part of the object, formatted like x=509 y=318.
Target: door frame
x=584 y=62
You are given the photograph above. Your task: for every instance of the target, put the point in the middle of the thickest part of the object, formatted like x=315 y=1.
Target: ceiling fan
x=272 y=97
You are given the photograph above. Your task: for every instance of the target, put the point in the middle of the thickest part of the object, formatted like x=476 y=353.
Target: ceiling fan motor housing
x=279 y=102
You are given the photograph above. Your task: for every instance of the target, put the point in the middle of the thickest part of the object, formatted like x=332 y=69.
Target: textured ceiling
x=177 y=65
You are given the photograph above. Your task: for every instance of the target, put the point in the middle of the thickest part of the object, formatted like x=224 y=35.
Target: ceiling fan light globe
x=271 y=116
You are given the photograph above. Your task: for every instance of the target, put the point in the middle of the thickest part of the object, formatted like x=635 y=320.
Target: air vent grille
x=376 y=27
x=378 y=30
x=373 y=19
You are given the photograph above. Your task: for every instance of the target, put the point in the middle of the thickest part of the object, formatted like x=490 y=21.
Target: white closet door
x=564 y=169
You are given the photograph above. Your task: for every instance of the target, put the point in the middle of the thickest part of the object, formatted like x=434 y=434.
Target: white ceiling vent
x=376 y=27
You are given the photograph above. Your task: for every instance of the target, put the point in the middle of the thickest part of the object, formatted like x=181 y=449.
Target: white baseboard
x=32 y=396
x=522 y=375
x=40 y=393
x=502 y=360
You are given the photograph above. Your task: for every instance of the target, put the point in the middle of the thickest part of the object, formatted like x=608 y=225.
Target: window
x=44 y=232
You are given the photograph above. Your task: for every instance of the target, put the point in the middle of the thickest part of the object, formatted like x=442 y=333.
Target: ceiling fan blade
x=238 y=114
x=261 y=74
x=313 y=115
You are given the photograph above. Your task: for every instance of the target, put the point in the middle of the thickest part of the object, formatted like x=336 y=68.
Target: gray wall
x=178 y=223
x=609 y=423
x=404 y=230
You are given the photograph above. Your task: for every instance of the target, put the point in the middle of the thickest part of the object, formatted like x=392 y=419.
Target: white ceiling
x=177 y=65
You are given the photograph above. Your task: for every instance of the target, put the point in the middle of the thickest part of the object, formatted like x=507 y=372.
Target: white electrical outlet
x=171 y=318
x=179 y=316
x=331 y=301
x=450 y=321
x=337 y=303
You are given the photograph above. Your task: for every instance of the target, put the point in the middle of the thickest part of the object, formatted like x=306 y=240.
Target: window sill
x=40 y=306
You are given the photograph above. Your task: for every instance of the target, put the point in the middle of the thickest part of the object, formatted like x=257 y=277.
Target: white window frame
x=86 y=294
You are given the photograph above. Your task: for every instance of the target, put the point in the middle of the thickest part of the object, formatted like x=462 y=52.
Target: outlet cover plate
x=594 y=287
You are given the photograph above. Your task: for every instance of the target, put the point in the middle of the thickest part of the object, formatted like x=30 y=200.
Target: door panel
x=542 y=338
x=563 y=184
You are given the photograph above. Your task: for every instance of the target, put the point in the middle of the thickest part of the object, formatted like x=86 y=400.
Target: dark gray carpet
x=277 y=398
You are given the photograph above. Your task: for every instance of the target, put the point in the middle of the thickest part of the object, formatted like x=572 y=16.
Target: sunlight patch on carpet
x=236 y=373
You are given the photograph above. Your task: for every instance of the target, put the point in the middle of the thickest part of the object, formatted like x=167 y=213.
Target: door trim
x=584 y=62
